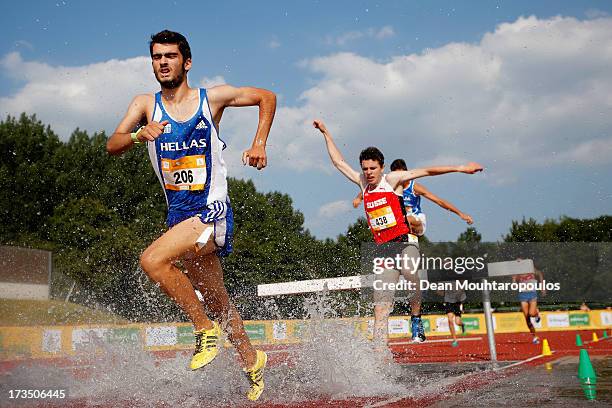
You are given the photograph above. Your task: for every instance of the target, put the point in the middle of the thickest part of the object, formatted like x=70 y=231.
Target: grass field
x=17 y=312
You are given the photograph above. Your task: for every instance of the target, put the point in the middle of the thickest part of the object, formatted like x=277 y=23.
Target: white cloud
x=210 y=82
x=533 y=93
x=273 y=44
x=384 y=32
x=596 y=13
x=24 y=44
x=344 y=38
x=592 y=151
x=91 y=97
x=377 y=33
x=333 y=209
x=525 y=91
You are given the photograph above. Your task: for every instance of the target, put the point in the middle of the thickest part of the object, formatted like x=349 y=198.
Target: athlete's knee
x=153 y=264
x=382 y=310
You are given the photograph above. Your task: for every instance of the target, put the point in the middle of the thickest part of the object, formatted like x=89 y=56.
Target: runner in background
x=412 y=194
x=415 y=217
x=386 y=216
x=529 y=299
x=453 y=306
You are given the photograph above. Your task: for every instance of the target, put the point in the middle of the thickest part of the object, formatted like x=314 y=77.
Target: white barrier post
x=488 y=313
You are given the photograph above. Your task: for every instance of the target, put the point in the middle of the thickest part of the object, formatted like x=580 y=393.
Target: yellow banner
x=61 y=341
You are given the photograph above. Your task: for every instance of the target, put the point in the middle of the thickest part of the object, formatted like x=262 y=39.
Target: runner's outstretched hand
x=471 y=168
x=318 y=123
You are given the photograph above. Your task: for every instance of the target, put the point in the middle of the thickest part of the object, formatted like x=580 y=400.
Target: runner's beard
x=172 y=83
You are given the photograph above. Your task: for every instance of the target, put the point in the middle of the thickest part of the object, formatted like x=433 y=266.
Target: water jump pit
x=334 y=367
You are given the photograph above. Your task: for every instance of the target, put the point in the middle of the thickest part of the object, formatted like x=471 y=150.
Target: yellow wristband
x=134 y=135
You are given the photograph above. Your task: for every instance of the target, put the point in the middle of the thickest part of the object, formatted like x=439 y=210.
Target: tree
x=565 y=230
x=470 y=235
x=27 y=178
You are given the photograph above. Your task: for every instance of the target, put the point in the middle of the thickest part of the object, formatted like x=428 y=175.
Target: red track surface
x=510 y=347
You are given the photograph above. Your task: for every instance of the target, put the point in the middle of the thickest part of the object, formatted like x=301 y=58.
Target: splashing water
x=333 y=361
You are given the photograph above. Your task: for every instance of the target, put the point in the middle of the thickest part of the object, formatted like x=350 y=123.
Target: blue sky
x=520 y=86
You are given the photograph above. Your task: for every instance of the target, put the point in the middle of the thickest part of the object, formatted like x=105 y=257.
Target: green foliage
x=26 y=179
x=97 y=213
x=470 y=235
x=565 y=230
x=569 y=251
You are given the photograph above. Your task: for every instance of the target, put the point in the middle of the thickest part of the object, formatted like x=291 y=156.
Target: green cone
x=578 y=340
x=587 y=376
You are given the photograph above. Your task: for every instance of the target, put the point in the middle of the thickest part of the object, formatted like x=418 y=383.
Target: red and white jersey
x=526 y=278
x=384 y=212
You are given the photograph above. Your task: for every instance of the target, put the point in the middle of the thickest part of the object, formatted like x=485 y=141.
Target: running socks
x=418 y=333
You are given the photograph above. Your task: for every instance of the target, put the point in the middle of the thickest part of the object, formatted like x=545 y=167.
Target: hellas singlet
x=187 y=159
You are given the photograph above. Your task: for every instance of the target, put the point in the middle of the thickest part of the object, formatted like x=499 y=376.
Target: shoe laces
x=203 y=340
x=255 y=375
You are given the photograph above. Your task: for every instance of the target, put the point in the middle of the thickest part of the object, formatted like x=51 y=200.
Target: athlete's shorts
x=221 y=218
x=527 y=296
x=454 y=308
x=421 y=217
x=384 y=295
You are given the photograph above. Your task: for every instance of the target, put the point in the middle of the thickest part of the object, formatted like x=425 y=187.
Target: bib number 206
x=183 y=176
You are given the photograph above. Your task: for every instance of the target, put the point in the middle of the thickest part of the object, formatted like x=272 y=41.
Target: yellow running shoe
x=205 y=347
x=255 y=376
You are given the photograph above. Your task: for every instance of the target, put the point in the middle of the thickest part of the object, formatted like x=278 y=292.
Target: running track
x=515 y=347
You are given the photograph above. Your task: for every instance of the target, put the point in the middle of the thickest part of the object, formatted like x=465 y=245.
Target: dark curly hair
x=171 y=37
x=372 y=153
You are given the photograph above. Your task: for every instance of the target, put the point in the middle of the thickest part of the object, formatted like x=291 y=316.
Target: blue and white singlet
x=412 y=201
x=187 y=158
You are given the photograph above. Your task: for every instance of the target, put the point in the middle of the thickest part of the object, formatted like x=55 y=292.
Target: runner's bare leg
x=206 y=275
x=158 y=262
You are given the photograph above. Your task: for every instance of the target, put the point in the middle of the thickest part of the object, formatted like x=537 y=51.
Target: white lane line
x=396 y=399
x=435 y=341
x=598 y=340
x=518 y=363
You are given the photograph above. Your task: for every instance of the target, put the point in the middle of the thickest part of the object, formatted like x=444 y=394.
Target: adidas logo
x=201 y=125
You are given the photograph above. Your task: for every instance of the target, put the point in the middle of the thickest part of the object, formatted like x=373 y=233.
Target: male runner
x=412 y=201
x=181 y=131
x=417 y=221
x=529 y=299
x=453 y=306
x=386 y=218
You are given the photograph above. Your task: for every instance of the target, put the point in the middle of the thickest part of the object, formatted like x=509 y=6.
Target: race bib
x=186 y=173
x=382 y=218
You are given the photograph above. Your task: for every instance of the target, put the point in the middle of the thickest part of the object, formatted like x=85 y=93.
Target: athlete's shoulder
x=392 y=178
x=222 y=91
x=141 y=105
x=362 y=181
x=148 y=97
x=419 y=189
x=143 y=101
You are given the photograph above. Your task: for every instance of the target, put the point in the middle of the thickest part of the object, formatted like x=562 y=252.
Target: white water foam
x=334 y=361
